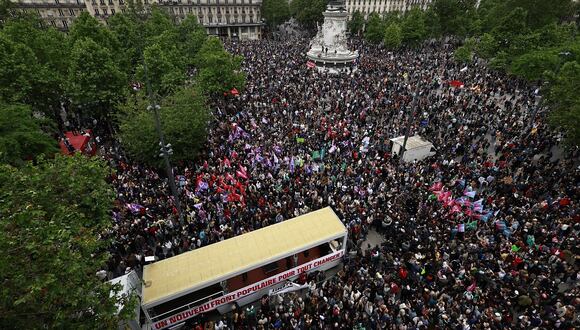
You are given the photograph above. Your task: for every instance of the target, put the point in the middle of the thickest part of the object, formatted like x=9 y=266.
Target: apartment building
x=225 y=18
x=383 y=6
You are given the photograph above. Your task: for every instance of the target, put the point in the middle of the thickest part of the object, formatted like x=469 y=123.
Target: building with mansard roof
x=239 y=19
x=366 y=7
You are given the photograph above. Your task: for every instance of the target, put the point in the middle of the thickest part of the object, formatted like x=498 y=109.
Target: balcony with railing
x=49 y=4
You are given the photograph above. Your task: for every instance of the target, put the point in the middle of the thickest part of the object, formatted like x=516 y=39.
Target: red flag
x=456 y=83
x=437 y=186
x=234 y=91
x=310 y=64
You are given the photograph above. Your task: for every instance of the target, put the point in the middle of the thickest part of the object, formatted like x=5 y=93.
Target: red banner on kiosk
x=245 y=291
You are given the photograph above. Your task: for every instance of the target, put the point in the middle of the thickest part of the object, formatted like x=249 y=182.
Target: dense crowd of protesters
x=481 y=235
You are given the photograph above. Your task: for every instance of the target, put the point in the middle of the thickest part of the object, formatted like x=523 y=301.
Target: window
x=105 y=12
x=269 y=268
x=56 y=1
x=97 y=12
x=60 y=12
x=121 y=2
x=72 y=12
x=65 y=24
x=112 y=11
x=102 y=2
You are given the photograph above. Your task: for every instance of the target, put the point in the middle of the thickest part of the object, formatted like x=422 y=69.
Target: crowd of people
x=483 y=234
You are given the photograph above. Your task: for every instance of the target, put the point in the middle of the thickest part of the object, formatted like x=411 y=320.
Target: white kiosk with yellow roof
x=241 y=269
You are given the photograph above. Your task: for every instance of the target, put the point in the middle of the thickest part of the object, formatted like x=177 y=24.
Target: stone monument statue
x=329 y=48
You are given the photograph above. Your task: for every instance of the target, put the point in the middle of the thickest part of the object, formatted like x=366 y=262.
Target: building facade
x=366 y=7
x=239 y=19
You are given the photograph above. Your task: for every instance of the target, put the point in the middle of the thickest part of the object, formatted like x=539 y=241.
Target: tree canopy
x=275 y=12
x=53 y=215
x=183 y=116
x=375 y=29
x=308 y=12
x=21 y=136
x=393 y=36
x=356 y=23
x=218 y=71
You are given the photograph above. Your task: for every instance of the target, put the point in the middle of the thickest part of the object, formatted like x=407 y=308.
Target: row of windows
x=386 y=2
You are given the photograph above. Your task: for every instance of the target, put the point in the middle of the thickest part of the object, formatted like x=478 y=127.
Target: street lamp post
x=153 y=106
x=409 y=119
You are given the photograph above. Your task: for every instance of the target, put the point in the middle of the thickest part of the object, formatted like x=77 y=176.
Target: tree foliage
x=52 y=216
x=393 y=36
x=532 y=66
x=33 y=65
x=463 y=54
x=356 y=22
x=375 y=29
x=218 y=71
x=413 y=26
x=183 y=118
x=21 y=137
x=308 y=12
x=275 y=12
x=564 y=99
x=95 y=83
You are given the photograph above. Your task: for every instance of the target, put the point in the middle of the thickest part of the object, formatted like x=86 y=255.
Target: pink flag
x=472 y=287
x=242 y=173
x=444 y=196
x=437 y=186
x=227 y=162
x=456 y=209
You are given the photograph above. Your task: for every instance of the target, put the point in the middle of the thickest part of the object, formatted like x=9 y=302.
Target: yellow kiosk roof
x=173 y=277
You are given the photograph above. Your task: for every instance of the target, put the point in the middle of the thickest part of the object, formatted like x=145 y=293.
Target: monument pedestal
x=329 y=49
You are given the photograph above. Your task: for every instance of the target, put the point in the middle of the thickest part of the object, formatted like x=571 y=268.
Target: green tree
x=463 y=54
x=5 y=6
x=166 y=73
x=540 y=12
x=564 y=100
x=511 y=25
x=53 y=215
x=375 y=29
x=158 y=22
x=191 y=36
x=46 y=76
x=95 y=83
x=432 y=23
x=275 y=12
x=86 y=26
x=413 y=27
x=308 y=12
x=18 y=67
x=356 y=23
x=455 y=15
x=500 y=61
x=126 y=29
x=487 y=46
x=184 y=117
x=21 y=136
x=532 y=66
x=218 y=71
x=393 y=36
